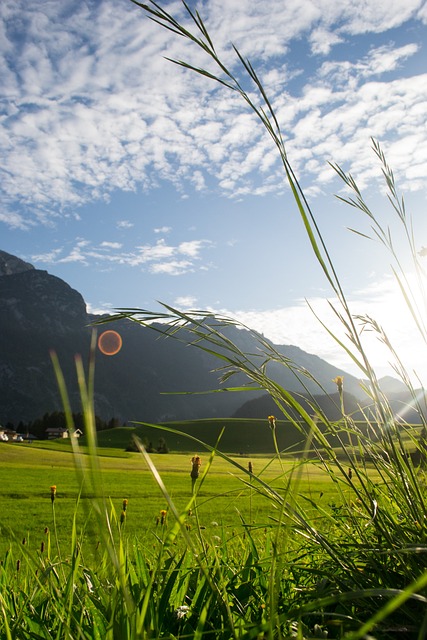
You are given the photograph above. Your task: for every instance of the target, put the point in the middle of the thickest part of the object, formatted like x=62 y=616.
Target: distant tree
x=57 y=419
x=132 y=446
x=163 y=447
x=114 y=423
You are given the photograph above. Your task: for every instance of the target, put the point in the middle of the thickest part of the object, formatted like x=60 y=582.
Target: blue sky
x=137 y=181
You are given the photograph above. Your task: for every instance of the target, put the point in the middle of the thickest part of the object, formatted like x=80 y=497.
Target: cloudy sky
x=137 y=181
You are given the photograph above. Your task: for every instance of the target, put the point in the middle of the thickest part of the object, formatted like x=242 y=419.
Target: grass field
x=27 y=472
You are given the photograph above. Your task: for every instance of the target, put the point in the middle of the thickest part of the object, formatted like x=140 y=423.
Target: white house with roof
x=62 y=432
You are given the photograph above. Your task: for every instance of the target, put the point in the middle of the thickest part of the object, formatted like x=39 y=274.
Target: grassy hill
x=243 y=436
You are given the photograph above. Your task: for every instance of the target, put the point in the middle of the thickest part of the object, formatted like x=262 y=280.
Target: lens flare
x=110 y=343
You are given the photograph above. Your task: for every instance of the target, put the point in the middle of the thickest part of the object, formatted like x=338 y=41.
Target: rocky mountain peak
x=32 y=300
x=10 y=265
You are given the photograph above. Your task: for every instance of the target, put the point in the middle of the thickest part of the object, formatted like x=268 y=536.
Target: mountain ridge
x=148 y=380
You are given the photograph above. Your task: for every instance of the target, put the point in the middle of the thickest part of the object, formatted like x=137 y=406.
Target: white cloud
x=125 y=224
x=323 y=40
x=158 y=258
x=192 y=248
x=15 y=220
x=111 y=245
x=185 y=302
x=422 y=13
x=172 y=267
x=162 y=230
x=75 y=255
x=381 y=300
x=100 y=309
x=79 y=119
x=48 y=258
x=159 y=251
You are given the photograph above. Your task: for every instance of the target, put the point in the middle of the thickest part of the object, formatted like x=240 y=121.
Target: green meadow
x=28 y=471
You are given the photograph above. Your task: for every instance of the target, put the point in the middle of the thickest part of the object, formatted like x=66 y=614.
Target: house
x=56 y=432
x=62 y=432
x=28 y=437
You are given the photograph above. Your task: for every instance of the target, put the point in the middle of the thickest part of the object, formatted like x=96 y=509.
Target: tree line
x=57 y=420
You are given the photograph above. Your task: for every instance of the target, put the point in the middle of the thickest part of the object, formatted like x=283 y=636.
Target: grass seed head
x=196 y=463
x=161 y=519
x=339 y=381
x=272 y=422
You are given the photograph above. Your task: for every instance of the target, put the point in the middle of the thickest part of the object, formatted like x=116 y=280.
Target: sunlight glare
x=110 y=342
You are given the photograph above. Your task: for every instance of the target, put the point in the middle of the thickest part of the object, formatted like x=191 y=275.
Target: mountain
x=40 y=313
x=11 y=264
x=400 y=401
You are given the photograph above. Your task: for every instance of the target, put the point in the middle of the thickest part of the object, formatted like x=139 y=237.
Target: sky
x=139 y=182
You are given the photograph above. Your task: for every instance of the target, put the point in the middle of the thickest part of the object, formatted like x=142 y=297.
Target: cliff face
x=35 y=301
x=38 y=313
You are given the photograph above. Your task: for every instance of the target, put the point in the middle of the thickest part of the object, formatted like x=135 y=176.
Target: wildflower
x=182 y=611
x=250 y=468
x=163 y=514
x=339 y=381
x=123 y=516
x=350 y=474
x=272 y=422
x=196 y=463
x=125 y=504
x=53 y=492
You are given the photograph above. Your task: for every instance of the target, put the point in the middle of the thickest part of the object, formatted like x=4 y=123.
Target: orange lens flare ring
x=110 y=343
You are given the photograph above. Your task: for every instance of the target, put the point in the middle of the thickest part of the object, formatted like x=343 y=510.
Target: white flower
x=182 y=611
